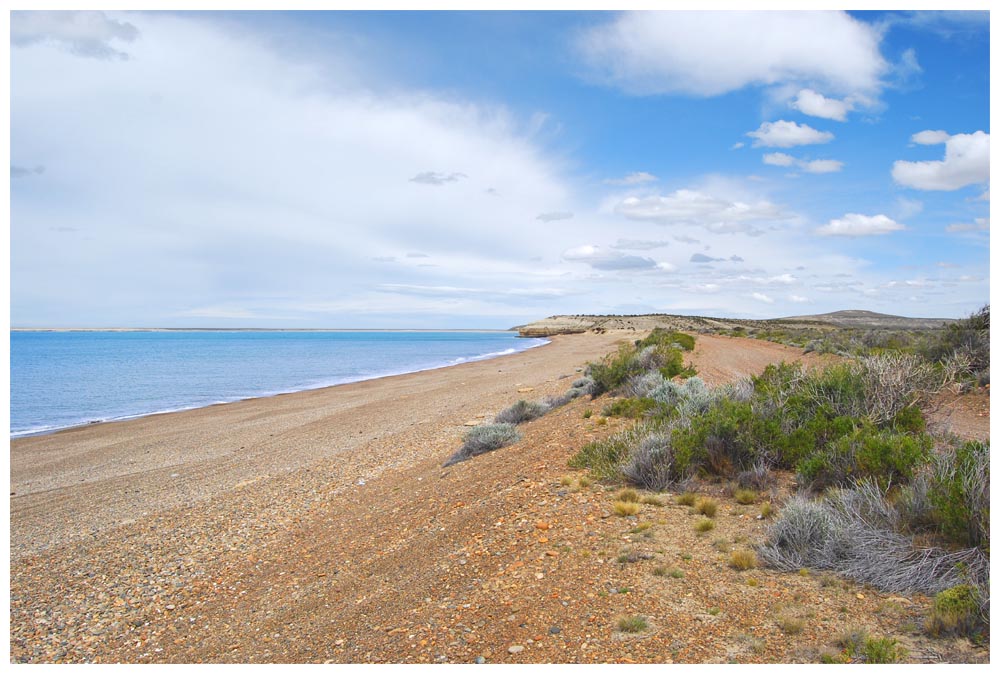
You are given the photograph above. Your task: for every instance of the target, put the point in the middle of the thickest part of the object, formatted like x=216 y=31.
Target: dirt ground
x=503 y=558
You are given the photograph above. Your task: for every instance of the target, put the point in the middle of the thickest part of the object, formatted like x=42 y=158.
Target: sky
x=339 y=169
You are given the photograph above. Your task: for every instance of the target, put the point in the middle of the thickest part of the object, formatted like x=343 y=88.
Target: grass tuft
x=632 y=624
x=741 y=560
x=625 y=508
x=704 y=525
x=706 y=506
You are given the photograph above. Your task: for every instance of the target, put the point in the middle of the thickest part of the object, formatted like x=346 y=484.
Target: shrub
x=485 y=438
x=643 y=385
x=706 y=506
x=625 y=508
x=522 y=411
x=632 y=408
x=741 y=560
x=959 y=492
x=853 y=532
x=888 y=457
x=632 y=624
x=956 y=611
x=604 y=457
x=882 y=651
x=614 y=370
x=757 y=477
x=650 y=464
x=662 y=337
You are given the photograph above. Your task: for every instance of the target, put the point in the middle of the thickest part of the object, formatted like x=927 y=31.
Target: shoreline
x=84 y=480
x=140 y=415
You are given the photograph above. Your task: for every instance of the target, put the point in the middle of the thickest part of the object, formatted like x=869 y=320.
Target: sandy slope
x=336 y=535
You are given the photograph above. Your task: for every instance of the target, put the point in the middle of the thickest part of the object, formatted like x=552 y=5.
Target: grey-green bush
x=521 y=411
x=485 y=438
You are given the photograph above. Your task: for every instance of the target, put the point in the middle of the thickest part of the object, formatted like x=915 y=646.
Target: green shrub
x=959 y=492
x=669 y=338
x=882 y=651
x=909 y=420
x=614 y=370
x=956 y=611
x=485 y=438
x=604 y=457
x=631 y=408
x=887 y=457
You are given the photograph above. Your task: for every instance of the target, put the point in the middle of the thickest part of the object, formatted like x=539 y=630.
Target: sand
x=81 y=481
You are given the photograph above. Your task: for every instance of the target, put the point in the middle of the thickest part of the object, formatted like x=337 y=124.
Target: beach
x=320 y=526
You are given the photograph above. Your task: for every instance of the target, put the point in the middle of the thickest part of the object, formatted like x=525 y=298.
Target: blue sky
x=483 y=169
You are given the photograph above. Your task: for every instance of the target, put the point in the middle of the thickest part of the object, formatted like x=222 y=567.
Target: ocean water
x=64 y=379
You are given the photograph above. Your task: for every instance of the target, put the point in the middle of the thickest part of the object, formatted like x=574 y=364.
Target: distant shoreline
x=261 y=330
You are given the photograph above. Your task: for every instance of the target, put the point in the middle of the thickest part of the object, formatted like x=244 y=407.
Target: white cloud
x=980 y=225
x=83 y=33
x=639 y=244
x=966 y=162
x=815 y=104
x=930 y=137
x=761 y=297
x=797 y=299
x=692 y=207
x=636 y=178
x=607 y=260
x=855 y=224
x=778 y=159
x=814 y=166
x=712 y=53
x=907 y=208
x=822 y=166
x=554 y=215
x=737 y=146
x=435 y=178
x=788 y=134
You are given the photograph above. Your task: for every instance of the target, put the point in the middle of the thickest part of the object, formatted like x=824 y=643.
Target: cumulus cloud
x=821 y=166
x=815 y=104
x=607 y=260
x=930 y=137
x=778 y=159
x=797 y=299
x=966 y=162
x=712 y=53
x=693 y=207
x=980 y=225
x=554 y=215
x=637 y=178
x=434 y=178
x=761 y=297
x=788 y=134
x=83 y=33
x=637 y=244
x=855 y=224
x=814 y=166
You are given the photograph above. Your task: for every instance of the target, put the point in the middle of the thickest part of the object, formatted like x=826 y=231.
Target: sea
x=70 y=378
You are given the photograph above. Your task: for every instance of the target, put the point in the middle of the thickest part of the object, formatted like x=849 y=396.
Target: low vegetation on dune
x=880 y=499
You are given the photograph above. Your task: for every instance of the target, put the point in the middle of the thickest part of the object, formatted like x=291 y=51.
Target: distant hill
x=857 y=318
x=565 y=324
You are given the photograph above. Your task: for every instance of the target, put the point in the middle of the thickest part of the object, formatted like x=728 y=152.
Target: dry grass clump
x=625 y=508
x=649 y=499
x=766 y=509
x=629 y=495
x=741 y=560
x=706 y=506
x=791 y=624
x=745 y=496
x=632 y=624
x=704 y=525
x=687 y=499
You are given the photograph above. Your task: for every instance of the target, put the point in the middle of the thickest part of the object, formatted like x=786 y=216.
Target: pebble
x=555 y=630
x=480 y=660
x=516 y=648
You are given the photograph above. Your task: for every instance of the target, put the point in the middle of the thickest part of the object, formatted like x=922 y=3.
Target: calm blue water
x=62 y=379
